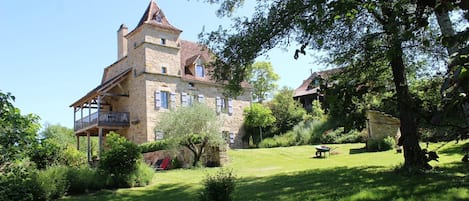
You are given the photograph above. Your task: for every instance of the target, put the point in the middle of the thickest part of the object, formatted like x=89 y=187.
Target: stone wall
x=381 y=125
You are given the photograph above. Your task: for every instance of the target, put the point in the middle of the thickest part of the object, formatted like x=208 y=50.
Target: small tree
x=17 y=132
x=194 y=127
x=286 y=110
x=262 y=77
x=317 y=111
x=258 y=116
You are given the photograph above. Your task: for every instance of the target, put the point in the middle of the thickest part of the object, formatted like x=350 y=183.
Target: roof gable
x=155 y=16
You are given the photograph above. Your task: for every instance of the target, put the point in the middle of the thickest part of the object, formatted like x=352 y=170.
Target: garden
x=292 y=173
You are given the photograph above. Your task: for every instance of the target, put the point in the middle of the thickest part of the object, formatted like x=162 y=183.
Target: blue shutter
x=201 y=98
x=218 y=102
x=157 y=100
x=230 y=106
x=184 y=99
x=173 y=100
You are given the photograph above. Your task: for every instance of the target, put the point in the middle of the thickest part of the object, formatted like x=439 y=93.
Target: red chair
x=164 y=165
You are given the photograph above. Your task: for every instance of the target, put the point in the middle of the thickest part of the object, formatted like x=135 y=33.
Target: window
x=161 y=99
x=163 y=41
x=159 y=135
x=225 y=135
x=164 y=70
x=224 y=105
x=199 y=71
x=165 y=99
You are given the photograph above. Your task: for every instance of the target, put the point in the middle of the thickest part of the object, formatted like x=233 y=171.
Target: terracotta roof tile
x=303 y=89
x=155 y=16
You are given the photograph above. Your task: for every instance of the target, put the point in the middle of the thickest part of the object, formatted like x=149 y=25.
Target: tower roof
x=155 y=16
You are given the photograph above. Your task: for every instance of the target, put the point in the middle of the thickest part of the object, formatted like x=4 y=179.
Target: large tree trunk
x=409 y=137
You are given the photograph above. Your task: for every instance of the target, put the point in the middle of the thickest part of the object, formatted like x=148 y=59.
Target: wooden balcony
x=103 y=119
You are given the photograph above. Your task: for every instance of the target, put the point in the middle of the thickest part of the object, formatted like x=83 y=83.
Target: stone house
x=310 y=89
x=155 y=72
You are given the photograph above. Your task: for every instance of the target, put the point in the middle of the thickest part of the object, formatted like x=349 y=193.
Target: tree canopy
x=263 y=79
x=355 y=33
x=17 y=132
x=194 y=127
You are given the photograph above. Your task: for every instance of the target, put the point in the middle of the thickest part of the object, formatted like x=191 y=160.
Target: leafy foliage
x=286 y=111
x=384 y=144
x=262 y=77
x=194 y=127
x=18 y=182
x=47 y=153
x=119 y=160
x=17 y=132
x=154 y=146
x=219 y=187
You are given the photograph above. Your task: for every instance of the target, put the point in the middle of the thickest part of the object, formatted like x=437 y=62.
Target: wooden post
x=89 y=146
x=100 y=141
x=74 y=118
x=81 y=118
x=100 y=129
x=78 y=142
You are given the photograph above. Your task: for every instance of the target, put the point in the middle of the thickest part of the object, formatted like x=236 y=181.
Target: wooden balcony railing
x=107 y=119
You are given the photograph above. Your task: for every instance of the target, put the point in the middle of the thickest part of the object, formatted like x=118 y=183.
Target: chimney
x=121 y=42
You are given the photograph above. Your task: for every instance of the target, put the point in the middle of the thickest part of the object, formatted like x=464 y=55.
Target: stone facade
x=381 y=125
x=158 y=61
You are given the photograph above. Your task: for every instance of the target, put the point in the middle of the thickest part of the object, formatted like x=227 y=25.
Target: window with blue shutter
x=157 y=100
x=218 y=102
x=165 y=99
x=173 y=100
x=184 y=99
x=201 y=98
x=230 y=106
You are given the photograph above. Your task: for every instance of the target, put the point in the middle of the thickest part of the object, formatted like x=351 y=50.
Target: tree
x=353 y=32
x=17 y=132
x=194 y=127
x=258 y=116
x=262 y=77
x=286 y=111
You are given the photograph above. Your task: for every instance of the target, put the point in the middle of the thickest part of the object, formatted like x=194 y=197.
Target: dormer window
x=199 y=68
x=163 y=41
x=157 y=17
x=199 y=71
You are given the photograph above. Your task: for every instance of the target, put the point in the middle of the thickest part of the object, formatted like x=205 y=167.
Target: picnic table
x=320 y=149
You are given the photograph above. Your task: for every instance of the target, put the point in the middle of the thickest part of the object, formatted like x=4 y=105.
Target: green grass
x=293 y=174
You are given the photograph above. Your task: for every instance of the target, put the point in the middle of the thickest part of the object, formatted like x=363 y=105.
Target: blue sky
x=53 y=52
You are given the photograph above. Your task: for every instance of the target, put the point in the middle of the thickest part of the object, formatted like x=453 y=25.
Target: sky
x=53 y=52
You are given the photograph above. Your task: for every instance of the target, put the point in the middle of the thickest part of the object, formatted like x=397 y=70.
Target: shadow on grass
x=454 y=149
x=361 y=183
x=450 y=182
x=161 y=192
x=358 y=151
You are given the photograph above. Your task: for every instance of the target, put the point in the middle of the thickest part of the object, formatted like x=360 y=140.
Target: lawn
x=292 y=173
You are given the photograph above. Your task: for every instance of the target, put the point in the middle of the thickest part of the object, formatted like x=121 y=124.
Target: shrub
x=331 y=136
x=18 y=182
x=72 y=157
x=268 y=143
x=142 y=176
x=53 y=182
x=384 y=144
x=154 y=146
x=218 y=187
x=119 y=161
x=352 y=136
x=84 y=179
x=47 y=153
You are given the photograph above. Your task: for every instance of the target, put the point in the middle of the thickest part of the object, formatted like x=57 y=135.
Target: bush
x=142 y=176
x=119 y=161
x=18 y=182
x=219 y=187
x=53 y=182
x=384 y=144
x=47 y=153
x=72 y=157
x=85 y=179
x=154 y=146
